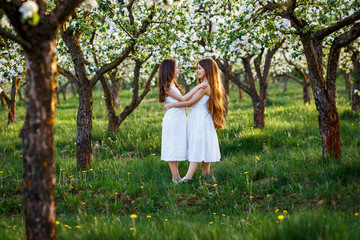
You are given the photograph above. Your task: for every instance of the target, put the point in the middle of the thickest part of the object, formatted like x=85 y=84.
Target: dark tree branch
x=69 y=76
x=257 y=63
x=293 y=77
x=5 y=96
x=109 y=66
x=9 y=35
x=334 y=55
x=322 y=33
x=61 y=13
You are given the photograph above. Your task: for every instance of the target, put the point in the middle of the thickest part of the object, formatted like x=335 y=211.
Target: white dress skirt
x=173 y=137
x=203 y=142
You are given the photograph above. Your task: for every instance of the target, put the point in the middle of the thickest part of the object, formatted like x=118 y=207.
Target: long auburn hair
x=166 y=77
x=215 y=103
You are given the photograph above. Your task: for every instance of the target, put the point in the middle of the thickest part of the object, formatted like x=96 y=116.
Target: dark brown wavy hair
x=166 y=76
x=215 y=103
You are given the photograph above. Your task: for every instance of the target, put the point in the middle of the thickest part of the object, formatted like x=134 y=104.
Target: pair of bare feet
x=191 y=170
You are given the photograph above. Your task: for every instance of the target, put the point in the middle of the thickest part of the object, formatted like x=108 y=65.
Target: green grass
x=279 y=167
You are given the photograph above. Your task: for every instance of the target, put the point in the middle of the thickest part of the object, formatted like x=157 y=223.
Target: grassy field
x=270 y=184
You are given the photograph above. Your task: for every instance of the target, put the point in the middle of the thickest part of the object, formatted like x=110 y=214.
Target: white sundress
x=173 y=137
x=203 y=142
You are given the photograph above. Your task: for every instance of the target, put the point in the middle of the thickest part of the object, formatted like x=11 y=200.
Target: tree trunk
x=58 y=101
x=306 y=93
x=226 y=69
x=73 y=90
x=259 y=112
x=356 y=84
x=84 y=127
x=2 y=100
x=12 y=112
x=64 y=91
x=115 y=89
x=38 y=142
x=226 y=84
x=21 y=98
x=324 y=97
x=240 y=93
x=116 y=121
x=113 y=124
x=347 y=83
x=285 y=83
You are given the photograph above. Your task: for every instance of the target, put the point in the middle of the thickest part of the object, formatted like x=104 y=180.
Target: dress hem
x=169 y=160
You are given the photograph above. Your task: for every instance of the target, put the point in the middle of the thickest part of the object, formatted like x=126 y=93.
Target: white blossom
x=89 y=4
x=28 y=9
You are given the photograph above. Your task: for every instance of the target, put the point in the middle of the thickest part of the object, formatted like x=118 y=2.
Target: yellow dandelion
x=78 y=227
x=281 y=217
x=84 y=171
x=95 y=218
x=285 y=212
x=142 y=187
x=148 y=216
x=257 y=158
x=277 y=210
x=251 y=196
x=116 y=193
x=246 y=172
x=91 y=169
x=131 y=229
x=215 y=184
x=66 y=225
x=128 y=173
x=165 y=219
x=210 y=223
x=214 y=213
x=267 y=195
x=133 y=216
x=1 y=172
x=356 y=214
x=57 y=222
x=223 y=215
x=20 y=204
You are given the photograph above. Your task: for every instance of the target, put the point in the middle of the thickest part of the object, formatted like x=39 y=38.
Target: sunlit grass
x=279 y=167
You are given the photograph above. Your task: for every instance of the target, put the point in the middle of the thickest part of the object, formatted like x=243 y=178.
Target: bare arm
x=188 y=103
x=172 y=93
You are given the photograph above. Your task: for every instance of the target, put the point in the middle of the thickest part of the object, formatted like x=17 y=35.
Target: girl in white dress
x=174 y=139
x=205 y=116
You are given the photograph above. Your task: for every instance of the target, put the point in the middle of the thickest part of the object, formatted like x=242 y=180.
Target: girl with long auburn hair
x=174 y=139
x=205 y=116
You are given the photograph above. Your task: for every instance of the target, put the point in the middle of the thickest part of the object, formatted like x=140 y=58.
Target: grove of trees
x=80 y=43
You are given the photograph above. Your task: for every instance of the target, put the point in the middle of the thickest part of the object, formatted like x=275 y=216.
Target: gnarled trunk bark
x=84 y=127
x=240 y=94
x=284 y=83
x=356 y=84
x=347 y=83
x=259 y=112
x=324 y=96
x=115 y=89
x=38 y=142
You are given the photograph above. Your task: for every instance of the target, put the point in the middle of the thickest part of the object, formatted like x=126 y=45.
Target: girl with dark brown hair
x=174 y=139
x=205 y=116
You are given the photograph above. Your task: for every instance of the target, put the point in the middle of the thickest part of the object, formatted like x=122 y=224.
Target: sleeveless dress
x=203 y=142
x=173 y=140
